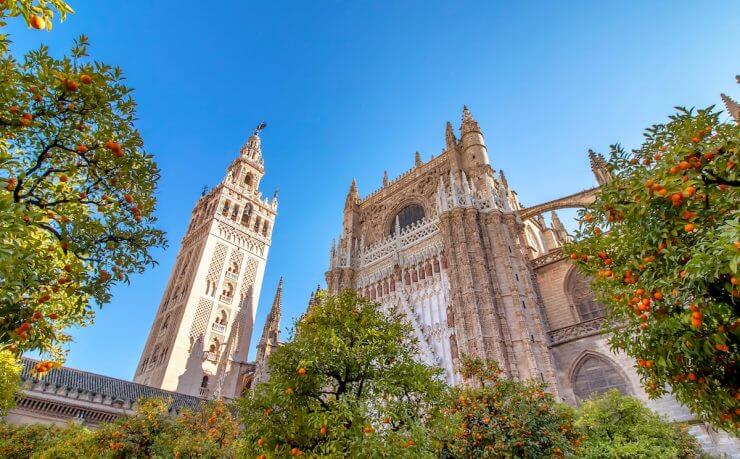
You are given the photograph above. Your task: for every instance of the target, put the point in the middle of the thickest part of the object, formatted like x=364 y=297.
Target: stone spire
x=502 y=179
x=450 y=138
x=270 y=338
x=353 y=196
x=469 y=123
x=417 y=159
x=599 y=167
x=733 y=108
x=559 y=228
x=385 y=178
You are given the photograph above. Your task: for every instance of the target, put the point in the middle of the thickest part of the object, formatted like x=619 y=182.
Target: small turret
x=351 y=211
x=353 y=195
x=474 y=152
x=417 y=159
x=559 y=228
x=385 y=178
x=450 y=139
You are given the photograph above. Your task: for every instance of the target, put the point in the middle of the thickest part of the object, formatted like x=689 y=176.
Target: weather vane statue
x=259 y=128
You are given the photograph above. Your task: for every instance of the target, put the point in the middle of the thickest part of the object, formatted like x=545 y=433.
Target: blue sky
x=350 y=89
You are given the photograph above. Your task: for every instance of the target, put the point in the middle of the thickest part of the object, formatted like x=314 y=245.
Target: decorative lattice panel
x=200 y=321
x=217 y=263
x=249 y=274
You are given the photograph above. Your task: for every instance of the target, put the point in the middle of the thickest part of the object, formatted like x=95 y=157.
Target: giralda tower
x=200 y=337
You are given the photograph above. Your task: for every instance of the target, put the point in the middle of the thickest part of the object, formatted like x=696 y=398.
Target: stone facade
x=475 y=272
x=200 y=337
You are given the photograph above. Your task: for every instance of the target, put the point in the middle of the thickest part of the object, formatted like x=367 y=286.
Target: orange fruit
x=85 y=78
x=71 y=85
x=37 y=22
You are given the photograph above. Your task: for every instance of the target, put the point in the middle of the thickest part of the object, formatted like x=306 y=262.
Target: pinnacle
x=733 y=108
x=468 y=122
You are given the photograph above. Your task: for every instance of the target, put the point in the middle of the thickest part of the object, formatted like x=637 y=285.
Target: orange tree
x=347 y=385
x=662 y=242
x=616 y=425
x=38 y=14
x=76 y=194
x=502 y=417
x=152 y=431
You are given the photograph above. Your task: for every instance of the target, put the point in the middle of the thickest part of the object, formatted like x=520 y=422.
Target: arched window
x=407 y=216
x=204 y=382
x=249 y=179
x=221 y=317
x=257 y=223
x=228 y=289
x=580 y=294
x=596 y=375
x=214 y=345
x=247 y=214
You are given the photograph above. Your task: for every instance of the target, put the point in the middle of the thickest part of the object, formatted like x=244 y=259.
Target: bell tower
x=199 y=340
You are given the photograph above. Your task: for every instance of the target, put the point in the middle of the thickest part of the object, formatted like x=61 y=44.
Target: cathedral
x=476 y=272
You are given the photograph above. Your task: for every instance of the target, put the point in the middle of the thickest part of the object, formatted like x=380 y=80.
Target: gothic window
x=406 y=217
x=225 y=210
x=204 y=382
x=257 y=223
x=235 y=212
x=265 y=227
x=581 y=297
x=595 y=375
x=249 y=179
x=214 y=345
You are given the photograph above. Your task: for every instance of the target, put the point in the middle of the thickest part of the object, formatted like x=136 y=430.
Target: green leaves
x=662 y=241
x=150 y=432
x=494 y=416
x=76 y=195
x=616 y=425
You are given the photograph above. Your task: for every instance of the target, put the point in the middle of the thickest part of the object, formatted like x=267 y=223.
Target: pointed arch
x=596 y=373
x=578 y=291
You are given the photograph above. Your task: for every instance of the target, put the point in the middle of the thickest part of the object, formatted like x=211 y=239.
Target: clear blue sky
x=349 y=89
